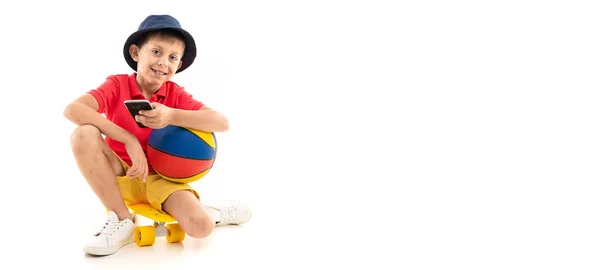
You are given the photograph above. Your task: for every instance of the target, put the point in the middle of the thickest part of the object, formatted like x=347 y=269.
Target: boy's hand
x=157 y=118
x=139 y=166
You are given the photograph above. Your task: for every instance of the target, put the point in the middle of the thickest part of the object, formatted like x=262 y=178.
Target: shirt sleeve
x=105 y=93
x=185 y=101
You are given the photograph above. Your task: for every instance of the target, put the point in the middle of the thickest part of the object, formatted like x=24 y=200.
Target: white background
x=385 y=134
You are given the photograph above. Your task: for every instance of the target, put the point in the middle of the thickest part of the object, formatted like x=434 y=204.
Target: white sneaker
x=113 y=235
x=232 y=213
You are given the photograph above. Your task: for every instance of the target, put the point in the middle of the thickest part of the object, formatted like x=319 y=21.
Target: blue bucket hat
x=154 y=22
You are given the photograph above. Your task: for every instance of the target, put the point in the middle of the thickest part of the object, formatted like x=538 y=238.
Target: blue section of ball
x=180 y=142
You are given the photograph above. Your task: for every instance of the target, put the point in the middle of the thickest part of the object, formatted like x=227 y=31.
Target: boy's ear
x=180 y=63
x=133 y=52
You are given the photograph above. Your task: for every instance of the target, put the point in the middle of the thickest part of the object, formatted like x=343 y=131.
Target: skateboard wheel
x=145 y=236
x=174 y=233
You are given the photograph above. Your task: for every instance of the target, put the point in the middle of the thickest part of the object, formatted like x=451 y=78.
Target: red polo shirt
x=118 y=88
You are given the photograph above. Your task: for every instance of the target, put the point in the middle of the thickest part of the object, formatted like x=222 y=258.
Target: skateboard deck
x=150 y=212
x=146 y=235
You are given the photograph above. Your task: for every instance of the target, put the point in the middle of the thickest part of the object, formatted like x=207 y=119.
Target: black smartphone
x=135 y=106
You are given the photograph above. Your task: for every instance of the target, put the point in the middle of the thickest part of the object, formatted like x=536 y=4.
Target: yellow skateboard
x=164 y=225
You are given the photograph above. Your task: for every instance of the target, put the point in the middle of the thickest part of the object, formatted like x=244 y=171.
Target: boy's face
x=158 y=59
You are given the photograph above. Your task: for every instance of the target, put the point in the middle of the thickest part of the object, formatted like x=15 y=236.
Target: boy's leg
x=196 y=219
x=99 y=166
x=191 y=215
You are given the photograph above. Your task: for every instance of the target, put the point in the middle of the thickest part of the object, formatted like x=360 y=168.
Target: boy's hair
x=164 y=34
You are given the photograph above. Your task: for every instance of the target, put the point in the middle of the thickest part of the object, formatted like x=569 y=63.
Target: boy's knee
x=83 y=137
x=199 y=226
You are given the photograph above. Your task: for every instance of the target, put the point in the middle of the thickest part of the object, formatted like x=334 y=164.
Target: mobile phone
x=135 y=106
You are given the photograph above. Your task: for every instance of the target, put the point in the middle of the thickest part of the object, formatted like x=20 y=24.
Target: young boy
x=116 y=168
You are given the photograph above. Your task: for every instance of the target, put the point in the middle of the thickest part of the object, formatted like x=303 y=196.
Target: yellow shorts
x=154 y=191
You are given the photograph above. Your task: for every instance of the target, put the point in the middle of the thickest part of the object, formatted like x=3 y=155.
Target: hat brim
x=189 y=54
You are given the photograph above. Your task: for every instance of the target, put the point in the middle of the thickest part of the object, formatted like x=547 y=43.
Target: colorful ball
x=181 y=154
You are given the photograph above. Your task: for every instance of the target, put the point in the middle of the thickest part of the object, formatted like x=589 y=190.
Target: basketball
x=181 y=154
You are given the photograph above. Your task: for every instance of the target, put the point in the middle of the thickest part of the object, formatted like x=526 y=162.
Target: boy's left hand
x=157 y=118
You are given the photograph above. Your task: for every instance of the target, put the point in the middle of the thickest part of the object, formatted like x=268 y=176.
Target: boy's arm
x=205 y=119
x=84 y=111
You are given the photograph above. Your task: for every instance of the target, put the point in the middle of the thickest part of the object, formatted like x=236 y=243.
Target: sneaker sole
x=107 y=251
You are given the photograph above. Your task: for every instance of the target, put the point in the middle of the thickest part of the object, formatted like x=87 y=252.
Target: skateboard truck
x=164 y=225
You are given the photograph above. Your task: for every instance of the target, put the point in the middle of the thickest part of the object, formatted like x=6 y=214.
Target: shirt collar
x=136 y=93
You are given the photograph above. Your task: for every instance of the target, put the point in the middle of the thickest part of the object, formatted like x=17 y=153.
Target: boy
x=116 y=168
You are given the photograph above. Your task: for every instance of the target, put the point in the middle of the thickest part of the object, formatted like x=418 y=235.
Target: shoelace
x=228 y=214
x=110 y=227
